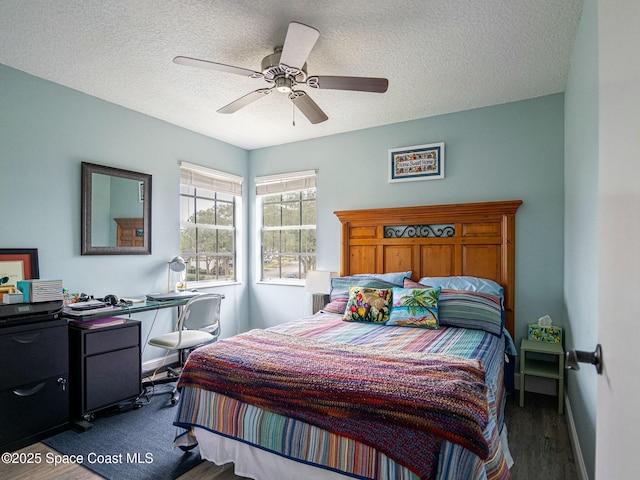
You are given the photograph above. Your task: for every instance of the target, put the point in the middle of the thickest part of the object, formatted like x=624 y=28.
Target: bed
x=355 y=392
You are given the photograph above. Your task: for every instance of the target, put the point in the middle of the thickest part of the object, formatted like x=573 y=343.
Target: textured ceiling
x=440 y=56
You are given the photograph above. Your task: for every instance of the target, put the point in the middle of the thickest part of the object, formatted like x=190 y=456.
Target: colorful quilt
x=400 y=402
x=249 y=420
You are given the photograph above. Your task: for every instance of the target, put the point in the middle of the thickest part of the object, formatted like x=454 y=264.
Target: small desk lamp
x=177 y=264
x=319 y=284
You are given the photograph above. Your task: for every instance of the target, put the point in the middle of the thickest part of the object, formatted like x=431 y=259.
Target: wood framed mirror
x=116 y=211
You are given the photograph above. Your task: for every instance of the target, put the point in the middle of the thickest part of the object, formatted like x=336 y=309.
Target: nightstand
x=542 y=368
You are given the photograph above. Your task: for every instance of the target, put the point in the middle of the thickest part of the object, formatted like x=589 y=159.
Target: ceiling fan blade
x=298 y=44
x=360 y=84
x=244 y=101
x=194 y=62
x=308 y=107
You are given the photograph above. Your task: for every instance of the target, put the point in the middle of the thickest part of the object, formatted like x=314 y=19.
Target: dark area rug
x=134 y=444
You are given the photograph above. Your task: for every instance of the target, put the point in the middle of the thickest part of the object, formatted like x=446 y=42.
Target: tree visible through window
x=207 y=233
x=288 y=232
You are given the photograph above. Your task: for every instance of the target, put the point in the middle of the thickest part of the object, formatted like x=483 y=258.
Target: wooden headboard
x=475 y=239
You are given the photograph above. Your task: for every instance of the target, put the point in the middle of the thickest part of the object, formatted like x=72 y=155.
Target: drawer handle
x=28 y=337
x=27 y=392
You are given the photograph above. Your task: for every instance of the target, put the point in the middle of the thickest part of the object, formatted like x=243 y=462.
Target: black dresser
x=34 y=366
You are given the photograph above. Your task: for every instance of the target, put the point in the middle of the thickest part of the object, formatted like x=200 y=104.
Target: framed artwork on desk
x=17 y=264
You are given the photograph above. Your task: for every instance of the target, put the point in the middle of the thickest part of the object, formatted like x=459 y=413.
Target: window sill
x=213 y=284
x=282 y=283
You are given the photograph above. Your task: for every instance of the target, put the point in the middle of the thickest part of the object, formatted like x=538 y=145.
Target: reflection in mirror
x=116 y=211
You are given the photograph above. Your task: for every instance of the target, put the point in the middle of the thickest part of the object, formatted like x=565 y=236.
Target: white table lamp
x=318 y=283
x=176 y=264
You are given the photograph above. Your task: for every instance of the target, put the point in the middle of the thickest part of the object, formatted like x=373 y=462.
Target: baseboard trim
x=161 y=364
x=581 y=468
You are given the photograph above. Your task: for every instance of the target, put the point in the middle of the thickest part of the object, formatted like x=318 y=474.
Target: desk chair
x=198 y=324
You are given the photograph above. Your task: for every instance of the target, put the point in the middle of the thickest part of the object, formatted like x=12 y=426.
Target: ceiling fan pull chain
x=293 y=107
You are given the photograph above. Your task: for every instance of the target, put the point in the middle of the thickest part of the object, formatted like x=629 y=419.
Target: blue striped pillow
x=462 y=308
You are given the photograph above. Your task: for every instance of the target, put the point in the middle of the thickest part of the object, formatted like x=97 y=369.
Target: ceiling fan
x=286 y=69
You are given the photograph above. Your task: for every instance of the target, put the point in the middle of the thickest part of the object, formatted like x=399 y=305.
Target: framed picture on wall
x=419 y=162
x=17 y=264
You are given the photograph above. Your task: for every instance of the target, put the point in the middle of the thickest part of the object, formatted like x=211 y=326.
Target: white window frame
x=220 y=182
x=277 y=184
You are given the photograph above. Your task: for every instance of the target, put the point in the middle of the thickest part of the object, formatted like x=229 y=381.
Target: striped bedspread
x=402 y=403
x=248 y=417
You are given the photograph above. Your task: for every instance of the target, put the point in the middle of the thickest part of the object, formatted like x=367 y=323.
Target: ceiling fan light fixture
x=283 y=84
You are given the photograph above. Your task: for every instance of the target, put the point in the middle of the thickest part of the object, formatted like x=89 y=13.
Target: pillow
x=368 y=305
x=337 y=306
x=474 y=284
x=408 y=283
x=340 y=285
x=467 y=309
x=414 y=307
x=393 y=277
x=462 y=308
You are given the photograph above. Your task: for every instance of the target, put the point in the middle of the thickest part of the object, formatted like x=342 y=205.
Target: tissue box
x=40 y=290
x=551 y=334
x=12 y=298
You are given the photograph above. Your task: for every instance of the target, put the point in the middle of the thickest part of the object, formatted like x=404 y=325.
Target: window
x=209 y=206
x=287 y=226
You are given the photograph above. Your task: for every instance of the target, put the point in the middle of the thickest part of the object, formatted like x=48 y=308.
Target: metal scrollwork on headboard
x=419 y=231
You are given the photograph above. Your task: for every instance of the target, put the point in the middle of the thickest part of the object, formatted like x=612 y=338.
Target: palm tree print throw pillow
x=415 y=307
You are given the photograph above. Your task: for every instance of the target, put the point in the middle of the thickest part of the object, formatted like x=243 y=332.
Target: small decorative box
x=550 y=334
x=40 y=290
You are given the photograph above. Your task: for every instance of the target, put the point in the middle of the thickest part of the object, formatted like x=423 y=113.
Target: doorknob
x=573 y=357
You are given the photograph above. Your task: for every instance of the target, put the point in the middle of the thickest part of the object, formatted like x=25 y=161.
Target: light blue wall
x=504 y=152
x=46 y=131
x=581 y=225
x=511 y=151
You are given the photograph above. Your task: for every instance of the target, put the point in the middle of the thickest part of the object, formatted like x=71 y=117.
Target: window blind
x=285 y=182
x=203 y=177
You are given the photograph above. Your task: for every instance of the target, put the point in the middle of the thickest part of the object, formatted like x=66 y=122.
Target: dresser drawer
x=32 y=353
x=110 y=339
x=32 y=411
x=112 y=378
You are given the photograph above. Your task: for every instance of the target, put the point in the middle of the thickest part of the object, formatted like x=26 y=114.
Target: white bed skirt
x=504 y=439
x=253 y=462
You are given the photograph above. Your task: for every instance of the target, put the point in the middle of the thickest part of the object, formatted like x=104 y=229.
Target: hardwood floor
x=203 y=471
x=44 y=471
x=538 y=440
